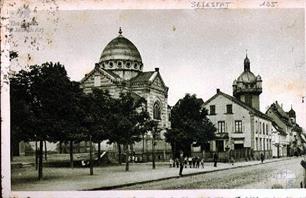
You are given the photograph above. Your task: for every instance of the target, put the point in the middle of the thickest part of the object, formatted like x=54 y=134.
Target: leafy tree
x=127 y=122
x=189 y=124
x=45 y=93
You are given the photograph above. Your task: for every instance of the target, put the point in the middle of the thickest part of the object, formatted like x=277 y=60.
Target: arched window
x=156 y=111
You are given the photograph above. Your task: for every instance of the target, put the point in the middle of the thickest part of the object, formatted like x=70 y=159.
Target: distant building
x=120 y=69
x=280 y=142
x=286 y=124
x=241 y=128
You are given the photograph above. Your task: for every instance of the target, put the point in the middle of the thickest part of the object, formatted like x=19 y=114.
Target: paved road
x=282 y=174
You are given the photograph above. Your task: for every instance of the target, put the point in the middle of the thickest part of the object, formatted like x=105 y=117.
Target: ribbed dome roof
x=291 y=113
x=247 y=77
x=120 y=48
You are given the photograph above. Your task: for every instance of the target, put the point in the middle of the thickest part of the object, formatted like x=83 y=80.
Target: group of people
x=192 y=162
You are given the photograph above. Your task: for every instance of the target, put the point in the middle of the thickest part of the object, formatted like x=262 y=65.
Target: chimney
x=218 y=90
x=156 y=69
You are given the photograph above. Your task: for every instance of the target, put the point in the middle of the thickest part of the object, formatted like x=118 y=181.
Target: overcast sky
x=197 y=51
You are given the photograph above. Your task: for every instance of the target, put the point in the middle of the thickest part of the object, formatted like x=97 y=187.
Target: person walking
x=193 y=162
x=170 y=162
x=262 y=157
x=197 y=162
x=215 y=159
x=181 y=160
x=185 y=161
x=202 y=162
x=190 y=161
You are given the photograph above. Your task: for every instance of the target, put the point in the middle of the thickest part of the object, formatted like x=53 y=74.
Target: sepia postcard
x=166 y=98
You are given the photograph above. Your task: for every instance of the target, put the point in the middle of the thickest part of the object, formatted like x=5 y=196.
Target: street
x=281 y=174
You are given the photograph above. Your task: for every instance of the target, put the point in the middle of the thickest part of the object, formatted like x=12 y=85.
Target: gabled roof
x=280 y=113
x=111 y=75
x=142 y=77
x=240 y=103
x=147 y=77
x=279 y=129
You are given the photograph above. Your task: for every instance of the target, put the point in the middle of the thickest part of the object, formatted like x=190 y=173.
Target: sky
x=197 y=51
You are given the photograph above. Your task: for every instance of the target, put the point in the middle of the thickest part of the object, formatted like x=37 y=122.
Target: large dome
x=121 y=54
x=247 y=77
x=120 y=48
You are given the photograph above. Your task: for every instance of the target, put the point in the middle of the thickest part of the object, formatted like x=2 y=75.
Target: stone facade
x=120 y=69
x=241 y=128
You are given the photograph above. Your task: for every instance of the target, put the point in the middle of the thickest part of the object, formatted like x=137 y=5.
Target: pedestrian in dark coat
x=198 y=162
x=182 y=161
x=193 y=162
x=215 y=159
x=262 y=157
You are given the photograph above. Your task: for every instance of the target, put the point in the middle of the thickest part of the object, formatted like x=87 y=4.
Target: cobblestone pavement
x=79 y=179
x=281 y=174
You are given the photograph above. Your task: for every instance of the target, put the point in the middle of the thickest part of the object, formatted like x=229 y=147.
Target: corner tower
x=247 y=87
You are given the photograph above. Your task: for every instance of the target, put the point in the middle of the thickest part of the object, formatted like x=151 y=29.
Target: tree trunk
x=153 y=153
x=143 y=147
x=40 y=165
x=126 y=148
x=60 y=147
x=46 y=152
x=99 y=151
x=119 y=151
x=90 y=155
x=71 y=153
x=36 y=156
x=65 y=147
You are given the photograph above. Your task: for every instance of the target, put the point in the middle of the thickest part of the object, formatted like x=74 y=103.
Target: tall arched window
x=156 y=111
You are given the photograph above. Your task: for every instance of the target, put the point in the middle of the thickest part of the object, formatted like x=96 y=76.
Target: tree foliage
x=189 y=125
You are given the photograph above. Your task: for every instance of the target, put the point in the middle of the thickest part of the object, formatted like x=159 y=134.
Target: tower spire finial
x=120 y=31
x=246 y=62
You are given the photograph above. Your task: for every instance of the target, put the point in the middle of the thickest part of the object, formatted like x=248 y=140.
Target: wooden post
x=46 y=150
x=126 y=148
x=71 y=153
x=153 y=153
x=60 y=147
x=143 y=147
x=99 y=152
x=36 y=156
x=40 y=167
x=119 y=153
x=90 y=155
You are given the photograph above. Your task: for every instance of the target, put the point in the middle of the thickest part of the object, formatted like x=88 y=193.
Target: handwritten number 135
x=270 y=4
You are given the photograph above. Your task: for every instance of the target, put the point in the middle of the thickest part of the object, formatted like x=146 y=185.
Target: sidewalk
x=106 y=178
